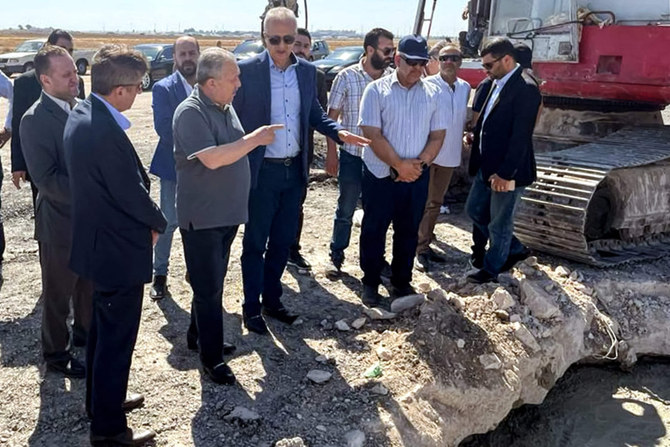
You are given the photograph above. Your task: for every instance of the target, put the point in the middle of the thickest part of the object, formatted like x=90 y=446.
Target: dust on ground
x=590 y=406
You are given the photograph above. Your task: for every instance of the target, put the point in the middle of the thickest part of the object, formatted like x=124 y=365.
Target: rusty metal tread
x=552 y=213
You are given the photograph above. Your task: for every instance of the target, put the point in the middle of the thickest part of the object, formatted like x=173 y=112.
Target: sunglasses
x=413 y=63
x=276 y=40
x=489 y=65
x=450 y=57
x=387 y=51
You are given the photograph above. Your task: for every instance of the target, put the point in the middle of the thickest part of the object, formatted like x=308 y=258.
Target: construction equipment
x=604 y=83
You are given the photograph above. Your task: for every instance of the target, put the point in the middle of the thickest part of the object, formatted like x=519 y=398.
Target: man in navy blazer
x=502 y=158
x=167 y=94
x=277 y=88
x=114 y=223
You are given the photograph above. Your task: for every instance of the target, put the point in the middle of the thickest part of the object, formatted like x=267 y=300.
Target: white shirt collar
x=60 y=103
x=121 y=120
x=188 y=87
x=502 y=81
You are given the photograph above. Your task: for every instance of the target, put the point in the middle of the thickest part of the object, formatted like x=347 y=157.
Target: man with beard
x=302 y=47
x=167 y=94
x=344 y=103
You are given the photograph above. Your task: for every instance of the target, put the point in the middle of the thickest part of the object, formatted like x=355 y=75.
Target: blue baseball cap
x=414 y=47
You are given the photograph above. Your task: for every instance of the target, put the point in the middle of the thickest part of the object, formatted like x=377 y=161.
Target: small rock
x=375 y=313
x=490 y=361
x=515 y=318
x=358 y=323
x=321 y=359
x=503 y=299
x=321 y=428
x=502 y=314
x=523 y=334
x=324 y=322
x=460 y=343
x=576 y=276
x=293 y=442
x=243 y=414
x=587 y=291
x=437 y=295
x=342 y=325
x=424 y=287
x=379 y=389
x=319 y=376
x=562 y=271
x=407 y=302
x=355 y=438
x=384 y=354
x=531 y=261
x=298 y=322
x=540 y=303
x=591 y=337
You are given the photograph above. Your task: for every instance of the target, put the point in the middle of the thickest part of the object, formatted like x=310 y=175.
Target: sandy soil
x=591 y=406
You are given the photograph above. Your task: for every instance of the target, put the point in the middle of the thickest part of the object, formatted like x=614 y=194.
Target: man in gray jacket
x=41 y=131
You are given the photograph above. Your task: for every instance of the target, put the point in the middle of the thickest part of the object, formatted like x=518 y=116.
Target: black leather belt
x=288 y=161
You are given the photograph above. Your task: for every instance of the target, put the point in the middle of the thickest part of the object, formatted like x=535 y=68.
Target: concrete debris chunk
x=358 y=323
x=503 y=299
x=319 y=376
x=342 y=325
x=540 y=303
x=407 y=302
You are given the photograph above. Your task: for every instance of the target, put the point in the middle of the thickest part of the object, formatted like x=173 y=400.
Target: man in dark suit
x=277 y=88
x=41 y=130
x=502 y=158
x=167 y=94
x=302 y=48
x=114 y=223
x=27 y=90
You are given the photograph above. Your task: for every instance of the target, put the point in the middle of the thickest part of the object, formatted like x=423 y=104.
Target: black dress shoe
x=133 y=437
x=400 y=291
x=372 y=298
x=69 y=368
x=295 y=259
x=513 y=259
x=220 y=373
x=434 y=256
x=481 y=277
x=255 y=323
x=476 y=262
x=133 y=401
x=159 y=288
x=193 y=346
x=280 y=314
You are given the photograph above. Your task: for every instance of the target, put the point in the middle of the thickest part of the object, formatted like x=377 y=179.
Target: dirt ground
x=592 y=406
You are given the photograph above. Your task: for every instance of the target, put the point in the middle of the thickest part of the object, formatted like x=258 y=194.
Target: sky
x=230 y=15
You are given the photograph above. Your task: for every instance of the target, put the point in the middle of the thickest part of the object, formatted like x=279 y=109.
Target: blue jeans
x=349 y=182
x=493 y=215
x=274 y=206
x=164 y=244
x=384 y=202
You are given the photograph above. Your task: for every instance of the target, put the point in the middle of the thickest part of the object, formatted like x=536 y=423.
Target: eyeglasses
x=450 y=57
x=387 y=51
x=489 y=65
x=276 y=40
x=413 y=63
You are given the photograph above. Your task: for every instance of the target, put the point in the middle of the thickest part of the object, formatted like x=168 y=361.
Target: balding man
x=212 y=195
x=167 y=94
x=277 y=88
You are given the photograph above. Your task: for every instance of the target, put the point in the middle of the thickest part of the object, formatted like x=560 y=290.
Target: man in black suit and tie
x=27 y=90
x=115 y=224
x=502 y=158
x=41 y=130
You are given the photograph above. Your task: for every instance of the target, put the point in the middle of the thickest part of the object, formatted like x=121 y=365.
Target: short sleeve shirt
x=405 y=116
x=208 y=198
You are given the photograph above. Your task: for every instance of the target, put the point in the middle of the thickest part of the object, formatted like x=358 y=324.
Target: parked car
x=161 y=62
x=338 y=60
x=21 y=59
x=248 y=48
x=320 y=50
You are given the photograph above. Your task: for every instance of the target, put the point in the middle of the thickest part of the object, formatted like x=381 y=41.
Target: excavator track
x=602 y=203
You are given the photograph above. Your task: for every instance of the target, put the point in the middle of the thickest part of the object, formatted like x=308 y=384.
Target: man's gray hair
x=279 y=14
x=212 y=62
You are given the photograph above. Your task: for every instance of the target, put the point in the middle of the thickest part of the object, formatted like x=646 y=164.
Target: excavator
x=602 y=194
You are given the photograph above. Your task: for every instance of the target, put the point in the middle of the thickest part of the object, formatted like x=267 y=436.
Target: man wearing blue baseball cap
x=399 y=114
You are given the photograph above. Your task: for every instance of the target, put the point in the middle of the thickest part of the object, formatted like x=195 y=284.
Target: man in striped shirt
x=344 y=103
x=400 y=115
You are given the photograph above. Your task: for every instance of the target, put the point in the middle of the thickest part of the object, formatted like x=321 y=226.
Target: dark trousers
x=274 y=205
x=386 y=201
x=206 y=253
x=295 y=247
x=493 y=215
x=109 y=352
x=59 y=283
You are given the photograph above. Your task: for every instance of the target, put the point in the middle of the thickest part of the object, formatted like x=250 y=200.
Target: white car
x=21 y=59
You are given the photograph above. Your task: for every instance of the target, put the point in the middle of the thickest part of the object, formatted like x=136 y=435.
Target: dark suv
x=161 y=62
